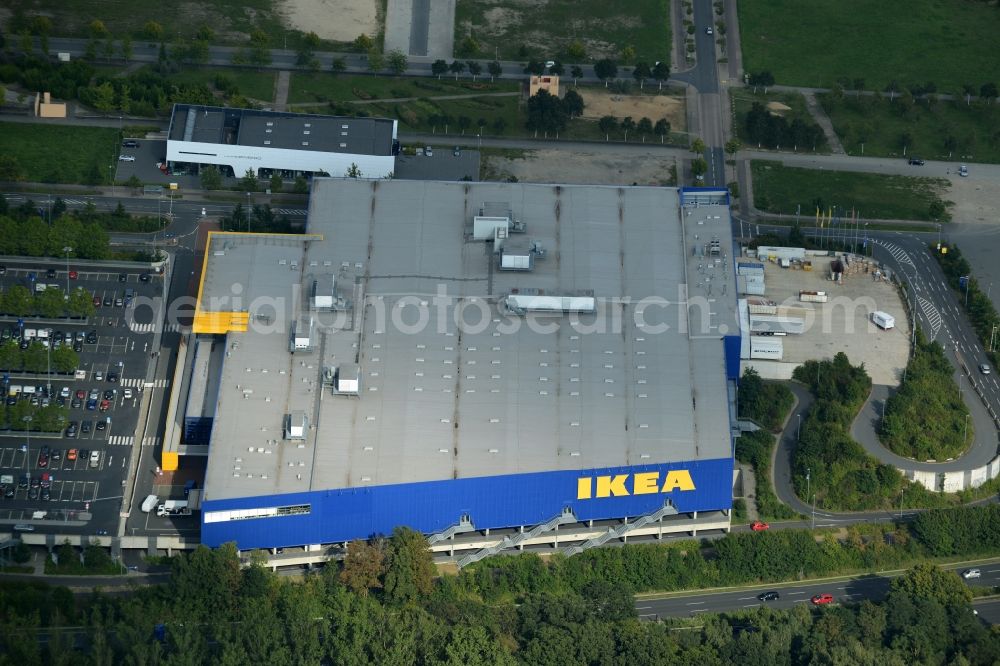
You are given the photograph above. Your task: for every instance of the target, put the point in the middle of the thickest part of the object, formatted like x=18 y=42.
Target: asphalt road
x=873 y=587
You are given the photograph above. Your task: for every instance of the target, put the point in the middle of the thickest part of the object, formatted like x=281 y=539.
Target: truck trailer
x=173 y=508
x=883 y=320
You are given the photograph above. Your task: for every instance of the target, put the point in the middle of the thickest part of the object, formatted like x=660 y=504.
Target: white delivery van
x=149 y=503
x=883 y=320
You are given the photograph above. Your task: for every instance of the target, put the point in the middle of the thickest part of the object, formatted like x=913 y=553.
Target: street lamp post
x=27 y=433
x=813 y=512
x=965 y=435
x=808 y=481
x=249 y=208
x=901 y=490
x=798 y=428
x=66 y=251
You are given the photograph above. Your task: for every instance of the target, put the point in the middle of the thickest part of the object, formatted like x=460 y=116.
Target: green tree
x=640 y=73
x=645 y=127
x=494 y=68
x=660 y=72
x=439 y=67
x=546 y=113
x=627 y=125
x=409 y=567
x=697 y=146
x=338 y=65
x=468 y=47
x=277 y=182
x=376 y=61
x=249 y=183
x=300 y=186
x=18 y=301
x=126 y=47
x=152 y=30
x=606 y=124
x=363 y=43
x=928 y=581
x=397 y=62
x=10 y=168
x=50 y=303
x=363 y=566
x=97 y=29
x=353 y=171
x=605 y=69
x=211 y=178
x=475 y=69
x=456 y=67
x=133 y=182
x=661 y=129
x=472 y=646
x=80 y=303
x=572 y=103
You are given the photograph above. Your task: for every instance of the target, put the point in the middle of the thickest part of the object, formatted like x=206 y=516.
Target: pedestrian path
x=142 y=328
x=151 y=440
x=823 y=120
x=121 y=440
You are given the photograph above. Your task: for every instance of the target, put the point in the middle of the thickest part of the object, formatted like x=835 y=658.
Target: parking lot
x=87 y=463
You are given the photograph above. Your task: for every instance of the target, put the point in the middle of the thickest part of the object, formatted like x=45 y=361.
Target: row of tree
x=384 y=606
x=23 y=416
x=33 y=237
x=926 y=418
x=767 y=129
x=645 y=126
x=20 y=301
x=976 y=302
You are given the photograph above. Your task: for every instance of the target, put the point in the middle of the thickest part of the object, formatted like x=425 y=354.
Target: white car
x=963 y=171
x=428 y=151
x=984 y=368
x=95 y=458
x=971 y=573
x=126 y=158
x=708 y=30
x=550 y=63
x=127 y=393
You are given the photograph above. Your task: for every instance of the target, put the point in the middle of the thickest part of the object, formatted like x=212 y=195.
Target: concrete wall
x=952 y=482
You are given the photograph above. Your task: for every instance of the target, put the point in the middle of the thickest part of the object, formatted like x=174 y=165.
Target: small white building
x=268 y=142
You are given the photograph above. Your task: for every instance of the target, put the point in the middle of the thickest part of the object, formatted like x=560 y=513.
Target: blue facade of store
x=491 y=502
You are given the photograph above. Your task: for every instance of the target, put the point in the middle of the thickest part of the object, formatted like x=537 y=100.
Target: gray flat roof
x=500 y=394
x=275 y=129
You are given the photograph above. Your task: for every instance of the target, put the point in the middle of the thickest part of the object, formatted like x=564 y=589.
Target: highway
x=873 y=587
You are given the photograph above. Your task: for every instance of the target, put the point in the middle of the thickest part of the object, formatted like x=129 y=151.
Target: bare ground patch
x=338 y=20
x=604 y=165
x=654 y=107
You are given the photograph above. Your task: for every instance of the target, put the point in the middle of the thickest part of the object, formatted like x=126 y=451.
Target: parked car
x=73 y=275
x=144 y=277
x=80 y=394
x=126 y=158
x=822 y=599
x=101 y=425
x=130 y=143
x=51 y=273
x=95 y=458
x=122 y=277
x=97 y=301
x=71 y=455
x=91 y=405
x=113 y=377
x=85 y=427
x=759 y=526
x=108 y=301
x=92 y=338
x=71 y=429
x=771 y=595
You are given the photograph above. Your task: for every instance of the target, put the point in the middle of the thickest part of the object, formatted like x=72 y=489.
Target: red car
x=821 y=599
x=97 y=301
x=73 y=275
x=758 y=526
x=81 y=394
x=105 y=405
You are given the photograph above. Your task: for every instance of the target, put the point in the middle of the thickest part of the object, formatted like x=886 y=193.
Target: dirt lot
x=605 y=165
x=600 y=103
x=975 y=200
x=842 y=324
x=340 y=20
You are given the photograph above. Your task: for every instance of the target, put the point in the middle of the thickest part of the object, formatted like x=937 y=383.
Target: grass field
x=231 y=20
x=545 y=28
x=252 y=83
x=781 y=189
x=743 y=98
x=324 y=87
x=59 y=153
x=816 y=42
x=881 y=126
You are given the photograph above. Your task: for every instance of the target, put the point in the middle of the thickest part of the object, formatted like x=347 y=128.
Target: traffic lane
x=985 y=173
x=988 y=610
x=872 y=587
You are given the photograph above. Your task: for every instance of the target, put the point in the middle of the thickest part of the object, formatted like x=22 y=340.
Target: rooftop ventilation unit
x=523 y=301
x=296 y=425
x=347 y=380
x=302 y=335
x=323 y=293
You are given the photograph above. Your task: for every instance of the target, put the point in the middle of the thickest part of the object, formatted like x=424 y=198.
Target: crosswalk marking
x=121 y=440
x=151 y=440
x=174 y=328
x=931 y=313
x=141 y=328
x=135 y=382
x=289 y=211
x=898 y=253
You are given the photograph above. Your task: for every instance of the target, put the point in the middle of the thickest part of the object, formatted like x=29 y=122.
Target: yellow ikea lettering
x=643 y=483
x=608 y=486
x=678 y=480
